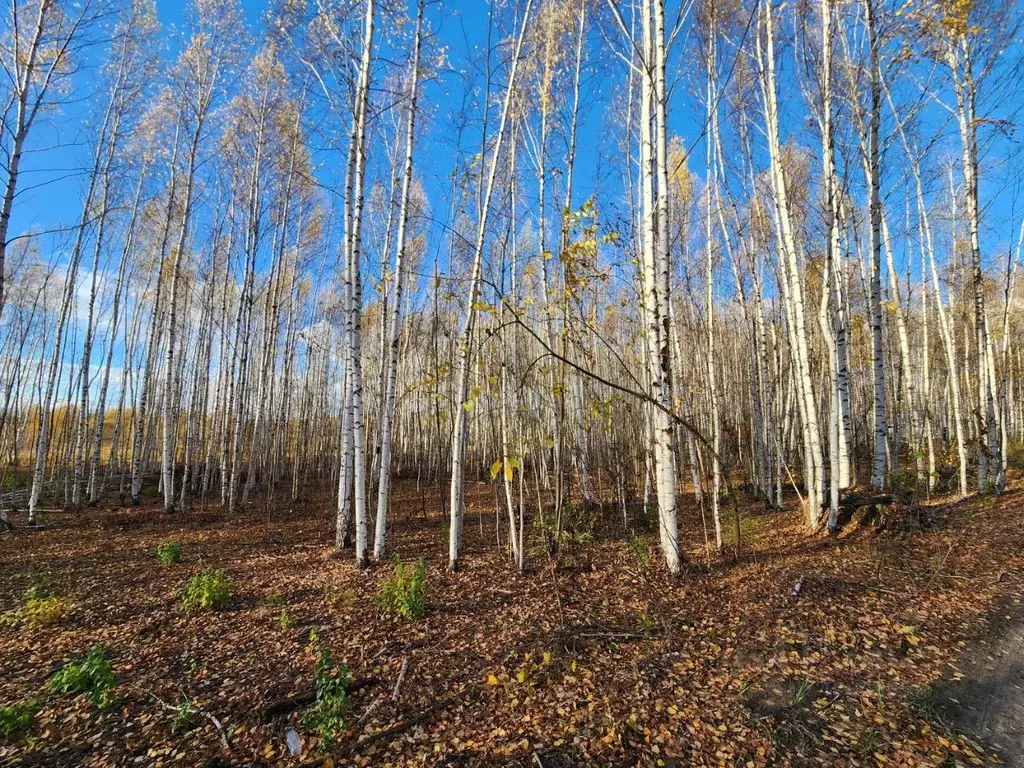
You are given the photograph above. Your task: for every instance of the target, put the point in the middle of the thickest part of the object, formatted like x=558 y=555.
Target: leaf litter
x=807 y=651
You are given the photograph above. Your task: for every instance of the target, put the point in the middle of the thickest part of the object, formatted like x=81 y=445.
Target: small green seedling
x=208 y=589
x=90 y=674
x=168 y=552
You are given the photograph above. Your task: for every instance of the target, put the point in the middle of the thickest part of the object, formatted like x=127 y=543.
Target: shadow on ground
x=987 y=702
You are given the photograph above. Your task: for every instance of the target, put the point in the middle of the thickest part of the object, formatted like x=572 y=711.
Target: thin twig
x=398 y=727
x=208 y=715
x=370 y=710
x=401 y=677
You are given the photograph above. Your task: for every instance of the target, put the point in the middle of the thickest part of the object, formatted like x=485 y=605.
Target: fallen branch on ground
x=401 y=677
x=291 y=703
x=208 y=715
x=397 y=728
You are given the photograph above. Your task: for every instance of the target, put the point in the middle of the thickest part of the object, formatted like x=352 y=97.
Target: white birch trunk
x=391 y=384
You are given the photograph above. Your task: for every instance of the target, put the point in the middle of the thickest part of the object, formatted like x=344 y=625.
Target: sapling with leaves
x=91 y=674
x=403 y=592
x=208 y=589
x=329 y=715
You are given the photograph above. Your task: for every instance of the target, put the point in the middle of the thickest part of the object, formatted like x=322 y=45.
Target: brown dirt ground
x=602 y=660
x=984 y=696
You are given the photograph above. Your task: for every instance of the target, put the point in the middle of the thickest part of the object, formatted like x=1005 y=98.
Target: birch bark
x=388 y=413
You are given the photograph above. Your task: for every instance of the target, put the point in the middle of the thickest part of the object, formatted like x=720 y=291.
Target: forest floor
x=869 y=648
x=986 y=698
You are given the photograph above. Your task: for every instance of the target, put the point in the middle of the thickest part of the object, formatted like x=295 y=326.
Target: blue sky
x=51 y=188
x=50 y=192
x=53 y=170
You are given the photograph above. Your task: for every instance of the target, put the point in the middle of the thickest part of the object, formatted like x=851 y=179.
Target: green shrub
x=168 y=552
x=18 y=717
x=328 y=715
x=12 y=482
x=286 y=621
x=185 y=719
x=210 y=588
x=46 y=611
x=38 y=612
x=91 y=674
x=401 y=593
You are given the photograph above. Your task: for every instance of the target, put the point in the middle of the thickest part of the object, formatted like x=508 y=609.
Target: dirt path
x=987 y=703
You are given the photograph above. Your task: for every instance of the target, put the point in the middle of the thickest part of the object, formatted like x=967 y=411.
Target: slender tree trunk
x=391 y=384
x=463 y=405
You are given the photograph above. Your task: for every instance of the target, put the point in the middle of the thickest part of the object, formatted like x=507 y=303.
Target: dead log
x=861 y=508
x=302 y=700
x=288 y=705
x=397 y=728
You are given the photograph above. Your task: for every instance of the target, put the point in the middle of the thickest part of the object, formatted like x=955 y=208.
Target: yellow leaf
x=495 y=469
x=492 y=680
x=508 y=472
x=268 y=751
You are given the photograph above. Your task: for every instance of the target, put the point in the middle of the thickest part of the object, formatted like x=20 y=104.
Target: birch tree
x=383 y=486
